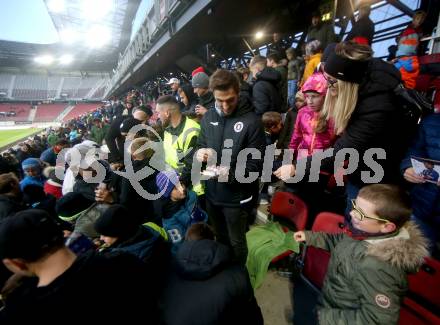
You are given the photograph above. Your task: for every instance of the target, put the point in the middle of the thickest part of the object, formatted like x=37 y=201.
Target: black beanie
x=28 y=234
x=128 y=123
x=71 y=204
x=117 y=222
x=345 y=69
x=327 y=51
x=147 y=109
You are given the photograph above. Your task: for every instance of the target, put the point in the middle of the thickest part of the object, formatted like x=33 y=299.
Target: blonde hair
x=140 y=150
x=341 y=107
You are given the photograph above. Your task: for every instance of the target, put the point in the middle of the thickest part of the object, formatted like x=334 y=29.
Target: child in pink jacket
x=312 y=131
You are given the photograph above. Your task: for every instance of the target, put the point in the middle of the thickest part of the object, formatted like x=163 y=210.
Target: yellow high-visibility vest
x=175 y=147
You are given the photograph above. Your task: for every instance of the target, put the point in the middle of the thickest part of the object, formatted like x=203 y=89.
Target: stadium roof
x=93 y=32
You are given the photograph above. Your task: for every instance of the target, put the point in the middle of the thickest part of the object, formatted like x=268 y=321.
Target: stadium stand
x=42 y=87
x=48 y=112
x=21 y=112
x=53 y=83
x=80 y=109
x=30 y=87
x=5 y=81
x=99 y=93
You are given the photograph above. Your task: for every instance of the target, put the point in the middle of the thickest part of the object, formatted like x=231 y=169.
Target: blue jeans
x=291 y=92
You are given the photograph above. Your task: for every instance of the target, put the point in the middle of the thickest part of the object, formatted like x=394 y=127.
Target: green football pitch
x=11 y=136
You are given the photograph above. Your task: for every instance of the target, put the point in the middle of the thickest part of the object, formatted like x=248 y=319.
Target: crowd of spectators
x=107 y=209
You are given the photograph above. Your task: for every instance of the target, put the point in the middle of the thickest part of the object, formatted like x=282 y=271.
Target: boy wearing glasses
x=366 y=279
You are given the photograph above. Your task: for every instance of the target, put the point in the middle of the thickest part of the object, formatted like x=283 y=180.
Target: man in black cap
x=57 y=284
x=115 y=139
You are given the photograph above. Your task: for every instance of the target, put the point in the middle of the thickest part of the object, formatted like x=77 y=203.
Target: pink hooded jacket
x=304 y=137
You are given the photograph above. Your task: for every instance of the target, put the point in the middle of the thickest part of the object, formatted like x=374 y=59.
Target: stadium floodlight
x=98 y=36
x=56 y=5
x=44 y=59
x=66 y=59
x=259 y=35
x=68 y=36
x=96 y=9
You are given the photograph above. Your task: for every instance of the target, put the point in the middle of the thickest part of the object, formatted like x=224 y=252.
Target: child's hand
x=299 y=236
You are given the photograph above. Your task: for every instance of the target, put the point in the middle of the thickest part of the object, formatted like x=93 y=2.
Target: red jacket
x=50 y=187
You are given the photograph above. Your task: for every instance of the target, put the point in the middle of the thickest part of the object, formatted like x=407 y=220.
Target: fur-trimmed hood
x=406 y=250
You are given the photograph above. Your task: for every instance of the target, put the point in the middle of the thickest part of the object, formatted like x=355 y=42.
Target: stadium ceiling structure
x=92 y=36
x=178 y=36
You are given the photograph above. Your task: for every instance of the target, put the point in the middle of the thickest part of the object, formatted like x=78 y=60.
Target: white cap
x=173 y=81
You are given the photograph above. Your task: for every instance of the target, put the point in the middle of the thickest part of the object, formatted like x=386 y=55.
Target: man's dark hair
x=316 y=14
x=30 y=235
x=167 y=99
x=275 y=57
x=223 y=80
x=7 y=182
x=199 y=231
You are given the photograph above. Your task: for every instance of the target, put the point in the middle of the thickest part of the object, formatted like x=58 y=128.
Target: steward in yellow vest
x=180 y=140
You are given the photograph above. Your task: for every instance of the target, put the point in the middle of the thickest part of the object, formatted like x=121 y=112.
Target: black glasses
x=330 y=81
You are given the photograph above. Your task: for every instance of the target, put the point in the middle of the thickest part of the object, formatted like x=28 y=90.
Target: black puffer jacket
x=207 y=100
x=245 y=130
x=205 y=288
x=265 y=94
x=136 y=203
x=9 y=206
x=377 y=122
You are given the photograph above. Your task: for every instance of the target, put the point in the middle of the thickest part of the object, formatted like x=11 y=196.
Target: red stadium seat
x=292 y=213
x=315 y=259
x=329 y=222
x=422 y=304
x=290 y=208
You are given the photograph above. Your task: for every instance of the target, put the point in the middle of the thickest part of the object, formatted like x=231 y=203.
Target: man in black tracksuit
x=228 y=129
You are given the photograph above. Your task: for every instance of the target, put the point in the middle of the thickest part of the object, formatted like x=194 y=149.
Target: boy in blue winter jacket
x=177 y=207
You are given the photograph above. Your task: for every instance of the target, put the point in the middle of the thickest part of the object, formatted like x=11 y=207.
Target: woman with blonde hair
x=364 y=114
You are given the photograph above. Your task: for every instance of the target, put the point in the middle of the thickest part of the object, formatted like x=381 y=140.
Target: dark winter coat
x=288 y=128
x=245 y=130
x=204 y=288
x=115 y=141
x=323 y=32
x=142 y=208
x=265 y=94
x=207 y=100
x=367 y=280
x=152 y=249
x=377 y=122
x=282 y=86
x=425 y=197
x=9 y=206
x=109 y=288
